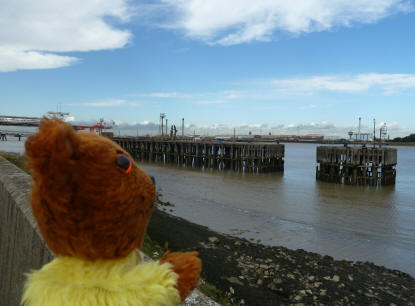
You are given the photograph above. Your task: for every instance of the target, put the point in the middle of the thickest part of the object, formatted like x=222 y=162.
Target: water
x=12 y=145
x=292 y=209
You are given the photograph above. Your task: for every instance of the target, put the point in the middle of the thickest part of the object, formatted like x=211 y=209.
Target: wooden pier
x=243 y=157
x=356 y=165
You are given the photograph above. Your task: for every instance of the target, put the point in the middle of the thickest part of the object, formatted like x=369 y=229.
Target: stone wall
x=21 y=246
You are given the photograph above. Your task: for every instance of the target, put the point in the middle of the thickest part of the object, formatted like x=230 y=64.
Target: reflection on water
x=294 y=210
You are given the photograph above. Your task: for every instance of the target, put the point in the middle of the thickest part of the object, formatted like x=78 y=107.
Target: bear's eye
x=124 y=163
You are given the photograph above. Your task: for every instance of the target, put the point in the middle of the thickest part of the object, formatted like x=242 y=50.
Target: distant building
x=108 y=134
x=362 y=136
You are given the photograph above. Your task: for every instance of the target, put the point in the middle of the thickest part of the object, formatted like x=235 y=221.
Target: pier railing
x=244 y=157
x=356 y=165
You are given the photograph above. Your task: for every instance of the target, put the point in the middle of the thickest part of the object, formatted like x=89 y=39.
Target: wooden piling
x=356 y=165
x=236 y=156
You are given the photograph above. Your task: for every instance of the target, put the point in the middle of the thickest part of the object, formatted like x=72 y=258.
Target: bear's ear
x=52 y=149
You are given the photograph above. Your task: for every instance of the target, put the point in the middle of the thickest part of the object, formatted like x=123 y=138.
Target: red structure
x=92 y=128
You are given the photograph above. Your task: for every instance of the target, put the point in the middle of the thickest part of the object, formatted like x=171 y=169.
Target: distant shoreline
x=403 y=144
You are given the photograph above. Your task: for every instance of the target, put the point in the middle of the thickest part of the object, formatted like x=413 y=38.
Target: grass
x=215 y=294
x=152 y=248
x=15 y=159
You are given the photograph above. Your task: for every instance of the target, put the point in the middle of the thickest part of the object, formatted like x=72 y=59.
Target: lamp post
x=162 y=116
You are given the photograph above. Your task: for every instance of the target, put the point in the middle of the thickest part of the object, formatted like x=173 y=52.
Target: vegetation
x=15 y=159
x=410 y=138
x=152 y=248
x=215 y=294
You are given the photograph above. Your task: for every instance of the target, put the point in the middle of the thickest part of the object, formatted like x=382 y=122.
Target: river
x=294 y=210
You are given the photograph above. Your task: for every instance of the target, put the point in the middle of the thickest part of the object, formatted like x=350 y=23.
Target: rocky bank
x=255 y=274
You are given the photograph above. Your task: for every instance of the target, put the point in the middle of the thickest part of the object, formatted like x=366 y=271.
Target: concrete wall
x=21 y=246
x=357 y=156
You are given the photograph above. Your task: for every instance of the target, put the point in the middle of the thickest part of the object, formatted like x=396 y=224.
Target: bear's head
x=89 y=198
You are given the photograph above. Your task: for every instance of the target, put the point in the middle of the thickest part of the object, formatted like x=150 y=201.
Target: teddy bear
x=92 y=204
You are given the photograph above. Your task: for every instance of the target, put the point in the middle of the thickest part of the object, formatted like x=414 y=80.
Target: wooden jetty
x=243 y=157
x=356 y=165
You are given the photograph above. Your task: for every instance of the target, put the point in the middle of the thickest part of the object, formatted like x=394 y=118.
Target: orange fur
x=85 y=205
x=188 y=266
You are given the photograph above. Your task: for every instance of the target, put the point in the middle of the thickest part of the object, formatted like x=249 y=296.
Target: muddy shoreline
x=255 y=274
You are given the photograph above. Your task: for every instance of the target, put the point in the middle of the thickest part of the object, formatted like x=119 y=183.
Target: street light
x=162 y=116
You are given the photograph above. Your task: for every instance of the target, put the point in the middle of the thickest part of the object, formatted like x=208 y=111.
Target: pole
x=101 y=122
x=167 y=120
x=182 y=128
x=374 y=132
x=380 y=137
x=234 y=136
x=162 y=116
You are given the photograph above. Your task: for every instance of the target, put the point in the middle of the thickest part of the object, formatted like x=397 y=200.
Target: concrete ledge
x=22 y=248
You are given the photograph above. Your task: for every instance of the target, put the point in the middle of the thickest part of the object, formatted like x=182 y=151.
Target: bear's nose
x=153 y=179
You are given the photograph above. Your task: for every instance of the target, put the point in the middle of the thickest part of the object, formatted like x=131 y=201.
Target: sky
x=265 y=66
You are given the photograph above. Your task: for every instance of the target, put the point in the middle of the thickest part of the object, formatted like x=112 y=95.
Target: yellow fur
x=72 y=281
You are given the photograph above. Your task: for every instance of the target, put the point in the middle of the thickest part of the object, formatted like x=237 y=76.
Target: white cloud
x=208 y=102
x=118 y=122
x=235 y=94
x=272 y=90
x=387 y=83
x=106 y=103
x=395 y=128
x=12 y=59
x=238 y=21
x=166 y=95
x=325 y=128
x=69 y=119
x=32 y=31
x=170 y=95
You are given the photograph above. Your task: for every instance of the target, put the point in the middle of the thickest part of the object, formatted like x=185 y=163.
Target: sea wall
x=21 y=246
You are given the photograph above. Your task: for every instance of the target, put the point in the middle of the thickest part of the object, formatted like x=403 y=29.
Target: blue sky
x=272 y=66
